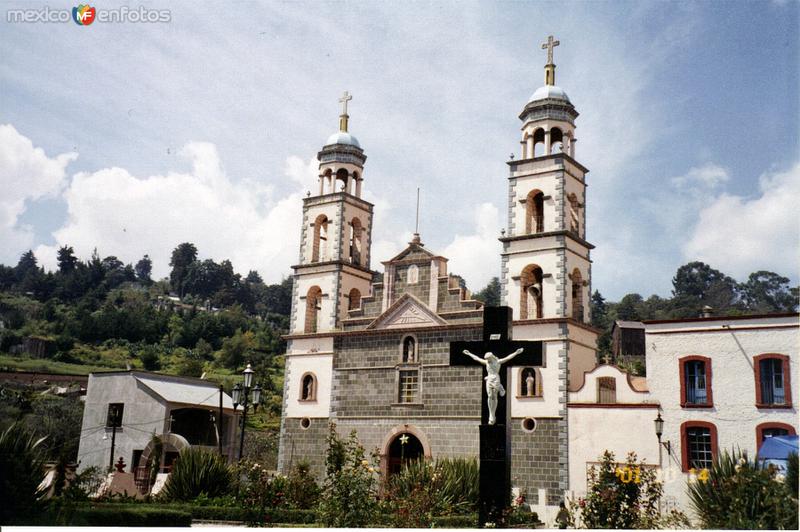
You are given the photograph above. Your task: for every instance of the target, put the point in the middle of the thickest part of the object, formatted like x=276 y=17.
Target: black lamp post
x=659 y=423
x=241 y=396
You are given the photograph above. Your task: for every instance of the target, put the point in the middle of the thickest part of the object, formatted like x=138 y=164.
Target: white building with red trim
x=722 y=383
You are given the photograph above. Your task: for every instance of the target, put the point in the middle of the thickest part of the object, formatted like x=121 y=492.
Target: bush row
x=130 y=515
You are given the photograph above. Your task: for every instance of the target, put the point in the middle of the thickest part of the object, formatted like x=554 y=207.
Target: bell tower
x=546 y=269
x=333 y=274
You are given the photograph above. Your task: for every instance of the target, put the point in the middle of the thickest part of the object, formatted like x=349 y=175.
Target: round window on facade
x=305 y=423
x=528 y=424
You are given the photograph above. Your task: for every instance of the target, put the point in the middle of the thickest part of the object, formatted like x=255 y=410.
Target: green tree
x=67 y=261
x=601 y=320
x=237 y=349
x=253 y=277
x=766 y=292
x=27 y=264
x=628 y=307
x=150 y=357
x=59 y=420
x=144 y=270
x=183 y=256
x=697 y=284
x=21 y=472
x=490 y=295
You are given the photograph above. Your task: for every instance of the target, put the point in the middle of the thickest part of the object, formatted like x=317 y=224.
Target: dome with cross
x=342 y=137
x=549 y=91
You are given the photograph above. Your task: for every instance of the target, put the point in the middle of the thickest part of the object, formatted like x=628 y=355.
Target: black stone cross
x=495 y=440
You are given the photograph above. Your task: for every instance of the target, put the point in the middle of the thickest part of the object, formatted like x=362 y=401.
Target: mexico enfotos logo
x=85 y=15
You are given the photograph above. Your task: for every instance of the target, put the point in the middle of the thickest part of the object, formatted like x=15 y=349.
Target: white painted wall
x=321 y=365
x=327 y=283
x=731 y=345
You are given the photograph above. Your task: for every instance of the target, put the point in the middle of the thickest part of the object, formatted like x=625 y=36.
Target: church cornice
x=336 y=197
x=338 y=265
x=377 y=332
x=555 y=156
x=532 y=236
x=567 y=320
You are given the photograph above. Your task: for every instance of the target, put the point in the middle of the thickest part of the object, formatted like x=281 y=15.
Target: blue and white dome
x=342 y=137
x=549 y=91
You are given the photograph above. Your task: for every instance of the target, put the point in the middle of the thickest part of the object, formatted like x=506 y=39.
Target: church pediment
x=408 y=311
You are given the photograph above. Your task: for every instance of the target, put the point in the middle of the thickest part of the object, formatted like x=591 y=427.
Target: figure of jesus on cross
x=493 y=385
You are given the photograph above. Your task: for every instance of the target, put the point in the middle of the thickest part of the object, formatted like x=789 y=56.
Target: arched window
x=341 y=175
x=606 y=390
x=773 y=381
x=538 y=143
x=530 y=306
x=534 y=212
x=355 y=241
x=325 y=182
x=313 y=307
x=410 y=350
x=308 y=387
x=577 y=295
x=413 y=274
x=698 y=445
x=530 y=382
x=354 y=299
x=574 y=213
x=695 y=375
x=319 y=251
x=768 y=430
x=556 y=140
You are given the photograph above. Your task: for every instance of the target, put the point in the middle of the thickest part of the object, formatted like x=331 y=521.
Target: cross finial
x=549 y=45
x=346 y=97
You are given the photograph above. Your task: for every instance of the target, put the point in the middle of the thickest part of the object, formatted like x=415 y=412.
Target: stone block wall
x=536 y=462
x=299 y=444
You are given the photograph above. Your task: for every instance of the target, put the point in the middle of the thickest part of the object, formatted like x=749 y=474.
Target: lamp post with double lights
x=241 y=395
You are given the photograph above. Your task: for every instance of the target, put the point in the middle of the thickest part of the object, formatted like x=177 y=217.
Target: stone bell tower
x=546 y=266
x=333 y=273
x=545 y=279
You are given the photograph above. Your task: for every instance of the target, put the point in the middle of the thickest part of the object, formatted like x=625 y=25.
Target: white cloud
x=709 y=175
x=26 y=174
x=129 y=216
x=740 y=235
x=476 y=257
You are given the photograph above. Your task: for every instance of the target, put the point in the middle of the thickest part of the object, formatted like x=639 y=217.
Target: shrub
x=130 y=515
x=196 y=472
x=21 y=472
x=301 y=489
x=627 y=500
x=738 y=494
x=349 y=496
x=423 y=490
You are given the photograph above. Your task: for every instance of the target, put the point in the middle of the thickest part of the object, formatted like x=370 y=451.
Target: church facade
x=369 y=351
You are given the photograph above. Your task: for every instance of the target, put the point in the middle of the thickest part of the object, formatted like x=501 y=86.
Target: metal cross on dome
x=346 y=97
x=549 y=45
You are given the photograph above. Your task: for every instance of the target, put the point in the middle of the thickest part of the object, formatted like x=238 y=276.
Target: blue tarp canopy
x=778 y=448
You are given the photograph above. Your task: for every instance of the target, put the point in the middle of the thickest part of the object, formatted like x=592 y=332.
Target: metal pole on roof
x=219 y=421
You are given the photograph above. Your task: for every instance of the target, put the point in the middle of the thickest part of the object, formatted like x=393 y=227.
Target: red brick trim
x=771 y=425
x=614 y=405
x=787 y=381
x=682 y=371
x=685 y=465
x=725 y=318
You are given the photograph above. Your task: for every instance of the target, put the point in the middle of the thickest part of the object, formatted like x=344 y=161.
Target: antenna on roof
x=416 y=239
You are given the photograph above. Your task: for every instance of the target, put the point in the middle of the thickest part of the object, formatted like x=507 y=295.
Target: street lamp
x=659 y=423
x=245 y=396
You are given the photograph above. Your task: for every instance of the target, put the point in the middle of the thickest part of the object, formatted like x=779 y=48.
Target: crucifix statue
x=549 y=45
x=346 y=97
x=495 y=427
x=493 y=385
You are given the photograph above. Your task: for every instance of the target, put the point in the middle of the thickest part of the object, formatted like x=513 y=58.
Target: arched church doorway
x=404 y=448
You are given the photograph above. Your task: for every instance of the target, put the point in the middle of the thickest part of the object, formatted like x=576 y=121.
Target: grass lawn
x=42 y=365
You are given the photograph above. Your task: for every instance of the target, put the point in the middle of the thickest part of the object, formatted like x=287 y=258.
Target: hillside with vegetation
x=99 y=314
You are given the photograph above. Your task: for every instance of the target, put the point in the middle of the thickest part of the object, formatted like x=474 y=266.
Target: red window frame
x=685 y=463
x=682 y=371
x=787 y=380
x=771 y=425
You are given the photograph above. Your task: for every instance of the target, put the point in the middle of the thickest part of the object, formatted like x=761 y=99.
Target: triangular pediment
x=408 y=311
x=412 y=252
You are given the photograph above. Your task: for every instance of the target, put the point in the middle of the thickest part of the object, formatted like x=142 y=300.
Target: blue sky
x=135 y=137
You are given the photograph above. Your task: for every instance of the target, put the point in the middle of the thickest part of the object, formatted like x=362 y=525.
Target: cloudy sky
x=135 y=137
